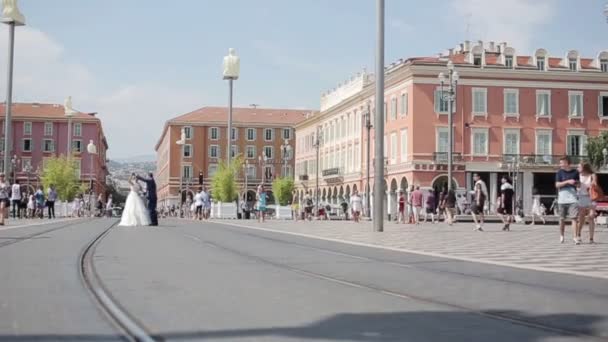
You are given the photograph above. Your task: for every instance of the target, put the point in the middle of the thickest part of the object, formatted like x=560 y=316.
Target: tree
x=63 y=174
x=223 y=184
x=595 y=149
x=283 y=189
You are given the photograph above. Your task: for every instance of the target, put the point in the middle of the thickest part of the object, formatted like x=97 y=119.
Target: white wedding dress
x=135 y=212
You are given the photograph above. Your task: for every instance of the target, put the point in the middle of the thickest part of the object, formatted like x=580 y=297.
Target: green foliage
x=62 y=173
x=223 y=184
x=595 y=147
x=282 y=189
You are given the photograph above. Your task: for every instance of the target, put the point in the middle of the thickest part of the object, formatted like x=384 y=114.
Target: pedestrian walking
x=261 y=199
x=537 y=207
x=586 y=203
x=410 y=206
x=198 y=204
x=479 y=200
x=4 y=199
x=39 y=198
x=50 y=201
x=31 y=205
x=430 y=206
x=295 y=206
x=417 y=198
x=308 y=205
x=401 y=207
x=16 y=198
x=505 y=208
x=109 y=206
x=356 y=205
x=450 y=206
x=344 y=206
x=566 y=181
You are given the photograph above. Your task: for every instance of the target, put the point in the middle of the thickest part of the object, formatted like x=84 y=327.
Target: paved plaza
x=529 y=247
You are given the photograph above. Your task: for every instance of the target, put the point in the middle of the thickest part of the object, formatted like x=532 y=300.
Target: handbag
x=595 y=192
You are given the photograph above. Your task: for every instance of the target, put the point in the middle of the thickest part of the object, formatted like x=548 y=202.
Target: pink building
x=512 y=111
x=41 y=131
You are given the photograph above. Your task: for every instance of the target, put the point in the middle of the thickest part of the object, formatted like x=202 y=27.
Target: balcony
x=303 y=177
x=442 y=157
x=333 y=172
x=537 y=159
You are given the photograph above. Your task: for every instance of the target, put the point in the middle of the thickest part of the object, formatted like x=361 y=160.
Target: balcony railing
x=333 y=172
x=442 y=157
x=303 y=177
x=538 y=159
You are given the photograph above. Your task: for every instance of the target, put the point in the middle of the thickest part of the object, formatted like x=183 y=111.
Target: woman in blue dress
x=261 y=198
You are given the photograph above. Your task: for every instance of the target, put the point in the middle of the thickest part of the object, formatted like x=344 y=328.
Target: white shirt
x=16 y=192
x=109 y=204
x=198 y=199
x=356 y=203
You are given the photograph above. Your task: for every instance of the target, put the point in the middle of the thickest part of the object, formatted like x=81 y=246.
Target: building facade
x=259 y=135
x=513 y=114
x=40 y=131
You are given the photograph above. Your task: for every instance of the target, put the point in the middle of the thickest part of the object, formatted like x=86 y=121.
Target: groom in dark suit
x=151 y=194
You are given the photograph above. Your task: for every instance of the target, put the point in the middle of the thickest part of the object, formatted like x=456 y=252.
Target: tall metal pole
x=68 y=151
x=9 y=99
x=229 y=143
x=91 y=190
x=368 y=126
x=318 y=143
x=379 y=136
x=450 y=128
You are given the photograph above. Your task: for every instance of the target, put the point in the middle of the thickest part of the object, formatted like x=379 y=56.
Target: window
x=48 y=128
x=268 y=172
x=480 y=141
x=511 y=141
x=576 y=144
x=544 y=142
x=575 y=101
x=441 y=103
x=442 y=142
x=76 y=146
x=214 y=133
x=543 y=103
x=404 y=100
x=540 y=63
x=268 y=134
x=211 y=170
x=286 y=133
x=511 y=99
x=251 y=171
x=480 y=101
x=214 y=151
x=27 y=128
x=572 y=64
x=234 y=134
x=250 y=134
x=287 y=171
x=509 y=62
x=186 y=171
x=393 y=148
x=603 y=105
x=26 y=164
x=268 y=152
x=403 y=145
x=477 y=59
x=48 y=145
x=78 y=167
x=187 y=151
x=188 y=132
x=393 y=109
x=234 y=150
x=250 y=152
x=604 y=65
x=78 y=129
x=27 y=145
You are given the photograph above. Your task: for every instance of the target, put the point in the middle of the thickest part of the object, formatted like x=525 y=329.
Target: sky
x=140 y=63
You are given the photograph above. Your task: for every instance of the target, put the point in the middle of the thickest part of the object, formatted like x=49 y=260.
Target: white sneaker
x=561 y=239
x=577 y=241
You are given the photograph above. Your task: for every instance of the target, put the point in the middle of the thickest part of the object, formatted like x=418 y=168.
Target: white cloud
x=516 y=22
x=132 y=114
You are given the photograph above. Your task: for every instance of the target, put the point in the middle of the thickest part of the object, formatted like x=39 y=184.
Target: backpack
x=309 y=202
x=595 y=192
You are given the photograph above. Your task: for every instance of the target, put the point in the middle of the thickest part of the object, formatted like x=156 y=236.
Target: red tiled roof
x=587 y=63
x=243 y=115
x=491 y=59
x=41 y=110
x=524 y=60
x=555 y=62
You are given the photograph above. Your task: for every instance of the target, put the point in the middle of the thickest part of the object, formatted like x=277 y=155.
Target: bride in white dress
x=135 y=212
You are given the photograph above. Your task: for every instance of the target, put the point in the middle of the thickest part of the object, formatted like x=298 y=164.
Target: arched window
x=540 y=58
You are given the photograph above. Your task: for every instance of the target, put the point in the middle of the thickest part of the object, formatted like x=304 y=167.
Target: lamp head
x=455 y=76
x=605 y=151
x=441 y=77
x=450 y=65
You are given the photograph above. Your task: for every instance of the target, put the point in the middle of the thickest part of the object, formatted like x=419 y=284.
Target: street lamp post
x=69 y=113
x=182 y=143
x=263 y=159
x=605 y=154
x=12 y=17
x=450 y=97
x=368 y=126
x=92 y=150
x=317 y=145
x=379 y=190
x=286 y=149
x=15 y=161
x=231 y=66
